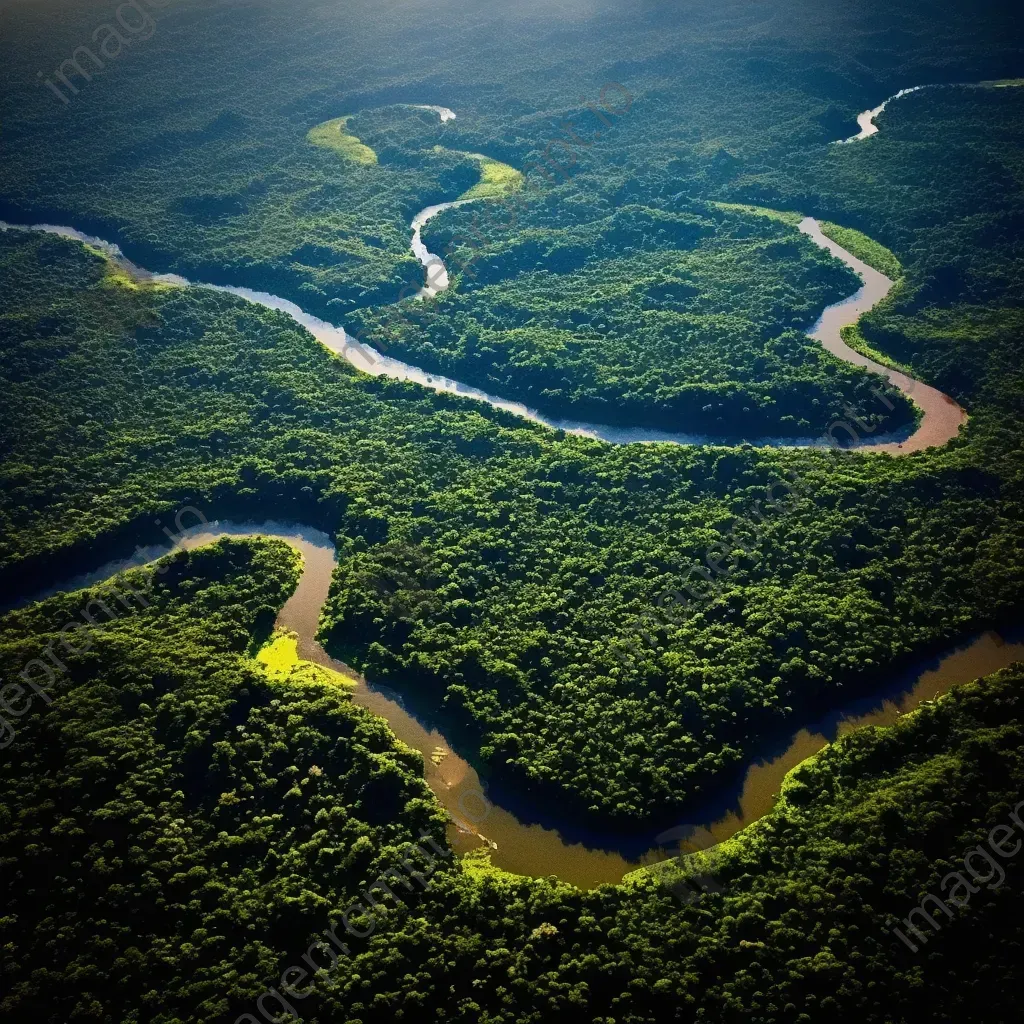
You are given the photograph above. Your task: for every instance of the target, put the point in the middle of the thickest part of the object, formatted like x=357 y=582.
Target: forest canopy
x=609 y=633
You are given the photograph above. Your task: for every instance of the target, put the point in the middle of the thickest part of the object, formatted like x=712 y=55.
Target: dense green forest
x=179 y=829
x=517 y=581
x=614 y=632
x=679 y=329
x=173 y=821
x=686 y=321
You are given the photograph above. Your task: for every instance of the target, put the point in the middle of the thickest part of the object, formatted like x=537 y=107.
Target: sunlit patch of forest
x=334 y=135
x=687 y=319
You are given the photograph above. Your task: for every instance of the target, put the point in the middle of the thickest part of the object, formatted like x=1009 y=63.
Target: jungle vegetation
x=175 y=817
x=226 y=188
x=505 y=574
x=688 y=321
x=180 y=826
x=168 y=850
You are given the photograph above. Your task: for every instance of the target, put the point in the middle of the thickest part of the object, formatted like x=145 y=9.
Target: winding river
x=939 y=422
x=866 y=119
x=530 y=840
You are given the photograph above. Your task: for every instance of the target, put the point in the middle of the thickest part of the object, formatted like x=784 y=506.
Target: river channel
x=526 y=836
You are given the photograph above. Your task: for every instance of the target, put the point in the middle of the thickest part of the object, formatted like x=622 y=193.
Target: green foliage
x=334 y=135
x=690 y=320
x=175 y=823
x=225 y=188
x=163 y=865
x=864 y=248
x=801 y=926
x=179 y=829
x=514 y=578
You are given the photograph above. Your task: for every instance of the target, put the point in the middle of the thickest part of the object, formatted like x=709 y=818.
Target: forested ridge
x=612 y=633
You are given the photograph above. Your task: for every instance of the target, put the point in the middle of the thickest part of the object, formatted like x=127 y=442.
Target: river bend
x=526 y=837
x=529 y=840
x=940 y=419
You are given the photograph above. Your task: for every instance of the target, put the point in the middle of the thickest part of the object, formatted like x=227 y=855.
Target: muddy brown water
x=529 y=840
x=941 y=417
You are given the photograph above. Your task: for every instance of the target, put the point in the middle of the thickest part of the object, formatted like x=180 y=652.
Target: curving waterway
x=526 y=839
x=866 y=119
x=437 y=279
x=941 y=417
x=529 y=839
x=940 y=420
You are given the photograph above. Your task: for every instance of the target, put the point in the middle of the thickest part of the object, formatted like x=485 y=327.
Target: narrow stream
x=445 y=113
x=437 y=273
x=529 y=840
x=866 y=119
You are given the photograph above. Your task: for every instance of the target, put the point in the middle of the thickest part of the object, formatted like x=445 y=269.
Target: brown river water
x=530 y=839
x=941 y=417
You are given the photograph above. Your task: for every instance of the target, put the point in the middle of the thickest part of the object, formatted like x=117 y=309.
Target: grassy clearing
x=786 y=216
x=117 y=277
x=281 y=662
x=873 y=253
x=333 y=135
x=280 y=657
x=497 y=180
x=477 y=864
